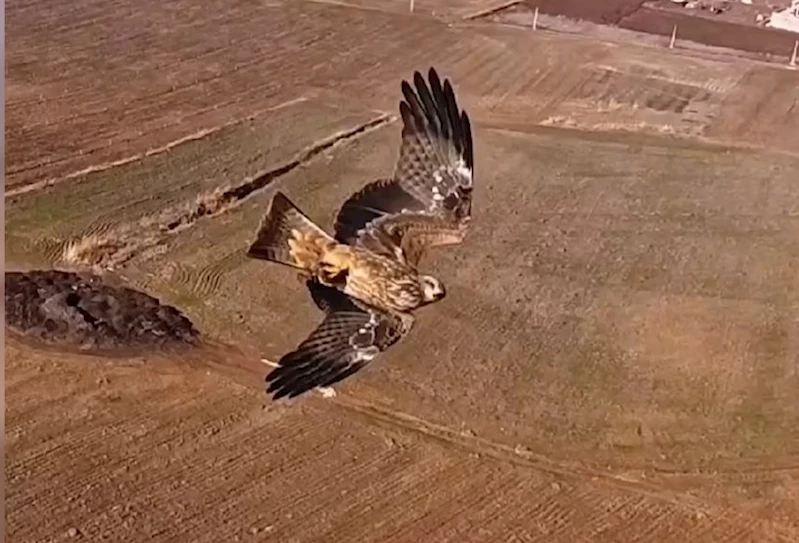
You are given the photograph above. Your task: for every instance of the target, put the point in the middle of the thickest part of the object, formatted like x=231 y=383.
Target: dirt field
x=731 y=30
x=615 y=361
x=609 y=12
x=721 y=33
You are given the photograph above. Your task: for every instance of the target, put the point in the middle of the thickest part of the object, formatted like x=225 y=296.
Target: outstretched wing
x=348 y=338
x=436 y=162
x=428 y=201
x=384 y=218
x=406 y=236
x=377 y=199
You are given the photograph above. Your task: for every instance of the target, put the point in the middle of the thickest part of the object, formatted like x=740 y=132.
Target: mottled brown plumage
x=288 y=237
x=348 y=338
x=428 y=200
x=365 y=278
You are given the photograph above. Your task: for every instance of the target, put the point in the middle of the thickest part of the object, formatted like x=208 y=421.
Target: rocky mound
x=80 y=310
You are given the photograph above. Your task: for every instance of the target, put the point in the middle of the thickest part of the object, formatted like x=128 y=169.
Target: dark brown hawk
x=365 y=278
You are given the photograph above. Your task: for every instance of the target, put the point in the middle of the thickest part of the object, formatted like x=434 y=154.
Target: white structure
x=787 y=19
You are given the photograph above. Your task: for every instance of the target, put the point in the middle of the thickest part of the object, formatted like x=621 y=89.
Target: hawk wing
x=428 y=201
x=436 y=162
x=348 y=338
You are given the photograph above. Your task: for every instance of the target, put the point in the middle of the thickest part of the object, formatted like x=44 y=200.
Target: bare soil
x=717 y=32
x=609 y=12
x=615 y=361
x=725 y=30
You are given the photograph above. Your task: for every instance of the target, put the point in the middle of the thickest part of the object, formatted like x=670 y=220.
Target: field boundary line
x=200 y=134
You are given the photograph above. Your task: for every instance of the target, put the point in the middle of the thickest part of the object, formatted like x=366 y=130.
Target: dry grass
x=94 y=250
x=106 y=251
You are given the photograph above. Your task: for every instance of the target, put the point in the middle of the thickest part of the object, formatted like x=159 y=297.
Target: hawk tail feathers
x=287 y=236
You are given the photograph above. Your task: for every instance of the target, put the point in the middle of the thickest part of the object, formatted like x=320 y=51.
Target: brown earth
x=615 y=361
x=717 y=32
x=726 y=30
x=605 y=12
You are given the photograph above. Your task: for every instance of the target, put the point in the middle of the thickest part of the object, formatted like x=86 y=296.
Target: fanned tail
x=287 y=236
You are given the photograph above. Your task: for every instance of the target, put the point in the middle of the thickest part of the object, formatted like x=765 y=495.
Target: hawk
x=365 y=277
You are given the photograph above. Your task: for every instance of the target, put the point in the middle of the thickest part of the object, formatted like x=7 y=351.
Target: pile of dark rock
x=81 y=310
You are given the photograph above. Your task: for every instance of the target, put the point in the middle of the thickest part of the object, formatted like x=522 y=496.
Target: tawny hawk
x=365 y=277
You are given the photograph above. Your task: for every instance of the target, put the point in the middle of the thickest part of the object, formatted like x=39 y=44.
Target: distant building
x=786 y=19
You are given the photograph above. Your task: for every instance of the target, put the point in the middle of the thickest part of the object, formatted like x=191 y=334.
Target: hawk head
x=432 y=289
